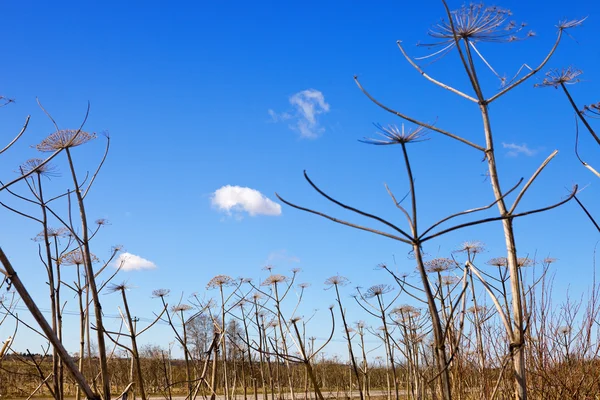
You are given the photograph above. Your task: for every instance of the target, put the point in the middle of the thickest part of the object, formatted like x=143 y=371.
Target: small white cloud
x=281 y=257
x=517 y=149
x=236 y=199
x=131 y=262
x=278 y=117
x=307 y=104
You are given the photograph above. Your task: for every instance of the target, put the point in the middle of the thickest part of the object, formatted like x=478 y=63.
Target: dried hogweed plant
x=462 y=30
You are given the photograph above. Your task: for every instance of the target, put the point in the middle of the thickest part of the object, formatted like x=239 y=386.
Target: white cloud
x=307 y=104
x=236 y=199
x=517 y=149
x=279 y=117
x=281 y=257
x=131 y=262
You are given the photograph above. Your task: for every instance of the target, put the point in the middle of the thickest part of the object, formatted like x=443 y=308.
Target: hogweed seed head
x=220 y=281
x=64 y=138
x=118 y=287
x=503 y=262
x=565 y=330
x=274 y=279
x=181 y=308
x=474 y=247
x=478 y=23
x=268 y=268
x=336 y=280
x=161 y=293
x=378 y=290
x=549 y=260
x=76 y=257
x=525 y=262
x=38 y=167
x=392 y=135
x=440 y=264
x=592 y=109
x=52 y=233
x=498 y=262
x=557 y=77
x=449 y=280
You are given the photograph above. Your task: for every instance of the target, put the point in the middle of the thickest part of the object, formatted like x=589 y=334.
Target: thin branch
x=47 y=160
x=506 y=216
x=99 y=167
x=579 y=113
x=347 y=207
x=397 y=203
x=499 y=309
x=423 y=124
x=531 y=73
x=472 y=210
x=339 y=221
x=530 y=181
x=587 y=213
x=586 y=165
x=440 y=84
x=8 y=146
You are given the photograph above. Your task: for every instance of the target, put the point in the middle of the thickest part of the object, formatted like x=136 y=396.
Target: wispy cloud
x=131 y=262
x=307 y=106
x=281 y=257
x=238 y=199
x=518 y=149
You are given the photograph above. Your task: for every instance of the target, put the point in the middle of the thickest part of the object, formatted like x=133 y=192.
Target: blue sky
x=201 y=95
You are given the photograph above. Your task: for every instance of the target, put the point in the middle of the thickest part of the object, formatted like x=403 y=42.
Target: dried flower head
x=102 y=222
x=478 y=23
x=161 y=293
x=415 y=337
x=392 y=135
x=118 y=287
x=38 y=166
x=568 y=24
x=296 y=270
x=471 y=248
x=478 y=310
x=274 y=280
x=549 y=260
x=63 y=139
x=52 y=233
x=449 y=280
x=5 y=101
x=406 y=311
x=76 y=257
x=257 y=296
x=268 y=268
x=378 y=290
x=337 y=280
x=525 y=262
x=592 y=109
x=565 y=330
x=557 y=77
x=181 y=308
x=295 y=319
x=220 y=281
x=498 y=262
x=303 y=285
x=440 y=264
x=503 y=262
